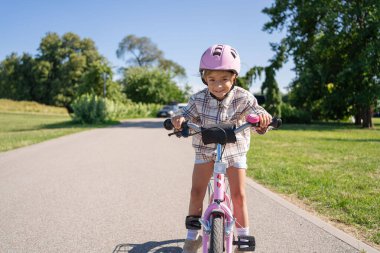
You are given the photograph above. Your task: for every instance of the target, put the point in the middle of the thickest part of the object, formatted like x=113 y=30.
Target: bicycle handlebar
x=275 y=124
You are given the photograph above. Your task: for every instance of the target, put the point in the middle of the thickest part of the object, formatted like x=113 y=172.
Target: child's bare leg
x=236 y=178
x=201 y=176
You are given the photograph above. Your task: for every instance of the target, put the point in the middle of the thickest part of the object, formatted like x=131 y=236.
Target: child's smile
x=220 y=82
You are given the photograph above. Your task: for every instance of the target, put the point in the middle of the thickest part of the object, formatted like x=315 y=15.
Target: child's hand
x=265 y=120
x=177 y=121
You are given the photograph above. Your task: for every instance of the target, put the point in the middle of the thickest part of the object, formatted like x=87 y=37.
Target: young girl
x=219 y=102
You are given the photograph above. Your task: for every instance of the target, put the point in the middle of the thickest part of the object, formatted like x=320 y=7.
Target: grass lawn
x=333 y=169
x=23 y=129
x=25 y=123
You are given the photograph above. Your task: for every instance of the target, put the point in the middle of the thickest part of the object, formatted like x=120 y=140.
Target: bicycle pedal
x=248 y=241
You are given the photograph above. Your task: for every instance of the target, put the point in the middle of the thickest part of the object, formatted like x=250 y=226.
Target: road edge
x=341 y=235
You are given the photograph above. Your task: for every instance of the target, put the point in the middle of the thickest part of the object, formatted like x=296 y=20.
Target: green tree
x=98 y=77
x=272 y=93
x=71 y=67
x=41 y=71
x=241 y=81
x=144 y=53
x=15 y=75
x=269 y=87
x=151 y=85
x=69 y=58
x=65 y=68
x=174 y=69
x=8 y=85
x=335 y=46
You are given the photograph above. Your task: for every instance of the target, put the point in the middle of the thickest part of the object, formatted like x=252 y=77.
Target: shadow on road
x=143 y=124
x=170 y=246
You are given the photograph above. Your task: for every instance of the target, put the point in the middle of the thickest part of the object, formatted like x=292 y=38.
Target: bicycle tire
x=217 y=235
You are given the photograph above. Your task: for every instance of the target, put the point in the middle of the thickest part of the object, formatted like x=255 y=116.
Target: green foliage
x=65 y=68
x=144 y=53
x=332 y=42
x=246 y=80
x=117 y=110
x=92 y=109
x=174 y=69
x=89 y=109
x=15 y=73
x=139 y=110
x=143 y=50
x=242 y=82
x=149 y=79
x=272 y=92
x=290 y=114
x=151 y=86
x=269 y=87
x=71 y=59
x=93 y=81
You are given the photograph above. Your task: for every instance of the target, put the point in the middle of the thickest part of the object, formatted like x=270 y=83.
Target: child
x=220 y=101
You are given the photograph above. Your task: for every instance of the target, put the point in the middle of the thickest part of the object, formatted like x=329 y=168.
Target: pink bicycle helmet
x=220 y=57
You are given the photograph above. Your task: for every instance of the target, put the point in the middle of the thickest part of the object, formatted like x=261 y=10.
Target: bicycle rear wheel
x=217 y=235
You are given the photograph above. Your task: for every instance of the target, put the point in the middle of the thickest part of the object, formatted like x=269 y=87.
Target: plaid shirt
x=204 y=110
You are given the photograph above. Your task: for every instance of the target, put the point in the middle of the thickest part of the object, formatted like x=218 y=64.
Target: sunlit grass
x=25 y=123
x=7 y=105
x=334 y=169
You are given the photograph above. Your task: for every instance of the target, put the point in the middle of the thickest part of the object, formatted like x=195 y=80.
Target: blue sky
x=181 y=29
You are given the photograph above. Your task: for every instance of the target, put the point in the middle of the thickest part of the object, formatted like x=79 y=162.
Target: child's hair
x=205 y=72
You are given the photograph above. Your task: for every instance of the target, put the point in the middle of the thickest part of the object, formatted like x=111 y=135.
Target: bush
x=290 y=114
x=140 y=110
x=89 y=109
x=93 y=109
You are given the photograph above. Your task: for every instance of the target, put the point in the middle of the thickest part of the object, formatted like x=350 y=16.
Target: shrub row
x=93 y=109
x=290 y=114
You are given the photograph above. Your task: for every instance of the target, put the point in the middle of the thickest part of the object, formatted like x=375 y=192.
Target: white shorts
x=237 y=162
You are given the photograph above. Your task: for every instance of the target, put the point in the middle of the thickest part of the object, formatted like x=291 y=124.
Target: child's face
x=219 y=82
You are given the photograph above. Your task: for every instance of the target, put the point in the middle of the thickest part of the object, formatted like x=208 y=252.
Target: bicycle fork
x=219 y=206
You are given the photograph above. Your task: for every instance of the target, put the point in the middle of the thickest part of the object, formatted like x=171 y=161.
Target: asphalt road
x=125 y=189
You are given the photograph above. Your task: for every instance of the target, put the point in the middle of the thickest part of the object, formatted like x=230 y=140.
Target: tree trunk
x=358 y=119
x=367 y=118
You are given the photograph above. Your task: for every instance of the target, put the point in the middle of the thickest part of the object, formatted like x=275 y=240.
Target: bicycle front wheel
x=217 y=235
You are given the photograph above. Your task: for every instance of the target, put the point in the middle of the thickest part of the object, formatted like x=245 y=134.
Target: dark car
x=167 y=111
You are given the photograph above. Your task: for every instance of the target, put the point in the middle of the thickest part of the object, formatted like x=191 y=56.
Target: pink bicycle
x=218 y=220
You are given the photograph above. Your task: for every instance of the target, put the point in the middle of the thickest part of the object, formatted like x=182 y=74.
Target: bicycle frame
x=219 y=204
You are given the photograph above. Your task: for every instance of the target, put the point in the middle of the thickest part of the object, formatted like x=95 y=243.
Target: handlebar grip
x=276 y=123
x=185 y=132
x=255 y=122
x=168 y=124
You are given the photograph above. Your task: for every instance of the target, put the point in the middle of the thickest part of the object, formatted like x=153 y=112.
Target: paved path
x=125 y=189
